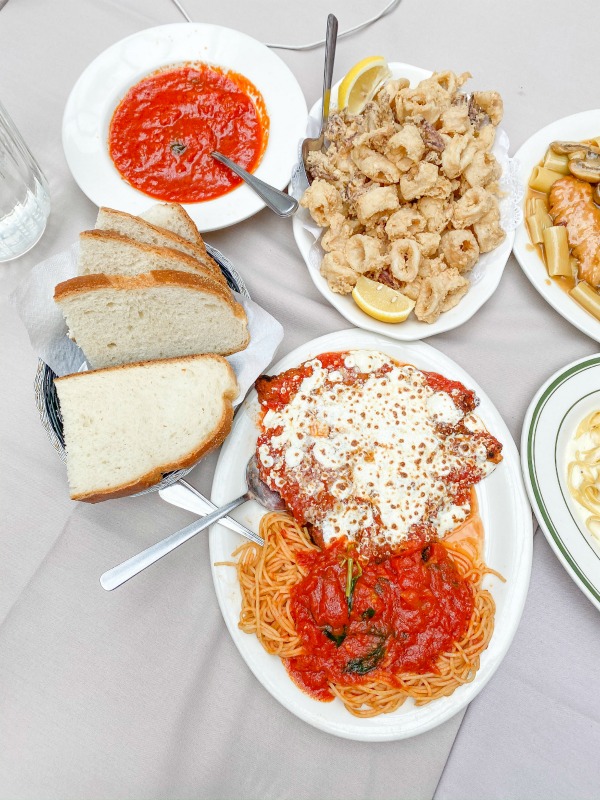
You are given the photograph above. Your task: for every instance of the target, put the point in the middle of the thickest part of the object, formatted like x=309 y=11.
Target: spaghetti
x=268 y=577
x=583 y=471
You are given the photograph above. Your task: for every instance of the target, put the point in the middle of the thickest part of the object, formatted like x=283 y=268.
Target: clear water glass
x=24 y=195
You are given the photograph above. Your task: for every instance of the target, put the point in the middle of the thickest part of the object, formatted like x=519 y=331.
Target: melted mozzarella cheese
x=375 y=443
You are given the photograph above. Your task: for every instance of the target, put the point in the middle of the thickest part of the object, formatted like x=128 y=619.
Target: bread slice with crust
x=114 y=254
x=118 y=319
x=125 y=427
x=173 y=217
x=144 y=232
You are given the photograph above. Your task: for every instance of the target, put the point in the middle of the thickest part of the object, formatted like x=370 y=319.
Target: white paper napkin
x=47 y=329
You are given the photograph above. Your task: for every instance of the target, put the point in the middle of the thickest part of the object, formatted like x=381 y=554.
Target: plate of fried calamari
x=415 y=193
x=387 y=594
x=558 y=243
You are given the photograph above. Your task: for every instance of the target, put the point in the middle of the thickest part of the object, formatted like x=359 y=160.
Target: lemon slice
x=361 y=83
x=380 y=301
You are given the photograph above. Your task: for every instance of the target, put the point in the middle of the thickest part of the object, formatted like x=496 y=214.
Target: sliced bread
x=113 y=254
x=174 y=218
x=141 y=231
x=125 y=427
x=118 y=319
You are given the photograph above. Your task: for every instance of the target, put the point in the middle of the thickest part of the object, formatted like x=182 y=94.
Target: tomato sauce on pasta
x=379 y=618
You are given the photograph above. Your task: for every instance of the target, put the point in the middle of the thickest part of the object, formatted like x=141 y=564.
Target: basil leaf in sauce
x=360 y=666
x=336 y=638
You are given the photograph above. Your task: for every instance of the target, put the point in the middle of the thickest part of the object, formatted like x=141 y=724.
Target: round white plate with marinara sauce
x=105 y=82
x=503 y=508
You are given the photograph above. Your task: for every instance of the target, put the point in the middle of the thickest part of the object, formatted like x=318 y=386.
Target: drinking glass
x=24 y=195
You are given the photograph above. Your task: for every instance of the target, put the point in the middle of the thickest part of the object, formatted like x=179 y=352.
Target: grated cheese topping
x=381 y=448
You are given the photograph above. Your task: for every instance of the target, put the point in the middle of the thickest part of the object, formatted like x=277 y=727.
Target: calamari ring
x=457 y=288
x=362 y=252
x=457 y=155
x=405 y=222
x=472 y=206
x=460 y=249
x=323 y=201
x=405 y=257
x=430 y=300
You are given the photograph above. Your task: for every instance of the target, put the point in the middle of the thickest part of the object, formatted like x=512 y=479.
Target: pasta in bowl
x=414 y=193
x=553 y=286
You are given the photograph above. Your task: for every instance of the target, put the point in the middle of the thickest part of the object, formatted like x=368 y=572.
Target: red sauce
x=362 y=621
x=276 y=391
x=163 y=131
x=464 y=398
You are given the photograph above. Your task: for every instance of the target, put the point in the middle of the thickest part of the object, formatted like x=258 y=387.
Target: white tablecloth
x=141 y=693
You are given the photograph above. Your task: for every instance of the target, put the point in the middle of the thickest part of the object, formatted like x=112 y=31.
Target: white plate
x=585 y=125
x=550 y=422
x=107 y=79
x=504 y=511
x=484 y=278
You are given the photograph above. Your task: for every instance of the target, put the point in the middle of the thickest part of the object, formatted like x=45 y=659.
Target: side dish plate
x=506 y=517
x=577 y=127
x=107 y=79
x=550 y=423
x=484 y=277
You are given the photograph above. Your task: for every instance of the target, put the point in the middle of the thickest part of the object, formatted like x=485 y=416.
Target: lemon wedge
x=361 y=83
x=380 y=301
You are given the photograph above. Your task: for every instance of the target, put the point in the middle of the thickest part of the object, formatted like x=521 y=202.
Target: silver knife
x=184 y=495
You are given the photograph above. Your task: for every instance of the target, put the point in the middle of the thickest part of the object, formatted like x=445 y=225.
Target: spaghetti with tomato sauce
x=366 y=597
x=377 y=619
x=163 y=132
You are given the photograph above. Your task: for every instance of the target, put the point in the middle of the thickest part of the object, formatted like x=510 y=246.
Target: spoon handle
x=330 y=42
x=123 y=572
x=279 y=202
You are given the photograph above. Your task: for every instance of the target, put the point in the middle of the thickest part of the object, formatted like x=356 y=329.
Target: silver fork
x=309 y=145
x=256 y=489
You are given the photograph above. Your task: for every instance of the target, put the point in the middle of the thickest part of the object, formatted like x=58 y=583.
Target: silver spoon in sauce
x=256 y=490
x=281 y=203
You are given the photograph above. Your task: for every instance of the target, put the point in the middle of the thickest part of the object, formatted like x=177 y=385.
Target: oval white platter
x=550 y=423
x=508 y=545
x=484 y=277
x=585 y=125
x=103 y=84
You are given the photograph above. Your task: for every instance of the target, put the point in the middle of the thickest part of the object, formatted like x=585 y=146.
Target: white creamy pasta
x=583 y=471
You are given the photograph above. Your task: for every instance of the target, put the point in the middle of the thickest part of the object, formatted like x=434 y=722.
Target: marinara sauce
x=163 y=132
x=361 y=621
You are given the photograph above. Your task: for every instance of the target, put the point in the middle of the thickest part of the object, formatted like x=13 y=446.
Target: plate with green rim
x=550 y=424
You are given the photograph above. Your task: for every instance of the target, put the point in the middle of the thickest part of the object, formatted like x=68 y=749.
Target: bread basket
x=46 y=397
